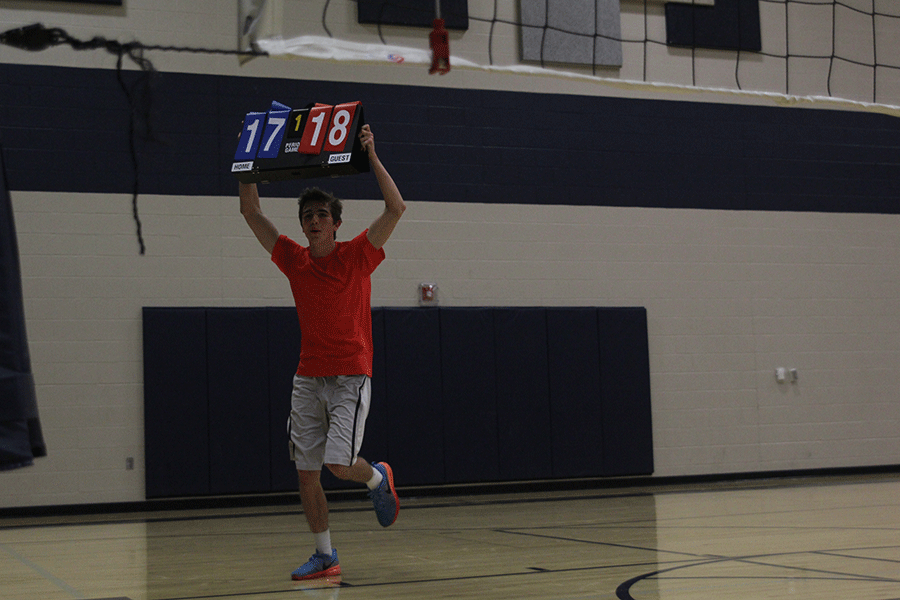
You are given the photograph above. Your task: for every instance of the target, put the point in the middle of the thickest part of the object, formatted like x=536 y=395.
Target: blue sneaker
x=384 y=497
x=318 y=565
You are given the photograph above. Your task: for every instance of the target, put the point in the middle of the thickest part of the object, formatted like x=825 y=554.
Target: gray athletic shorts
x=328 y=418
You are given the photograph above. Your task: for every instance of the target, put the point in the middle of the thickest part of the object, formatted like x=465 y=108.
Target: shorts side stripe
x=353 y=449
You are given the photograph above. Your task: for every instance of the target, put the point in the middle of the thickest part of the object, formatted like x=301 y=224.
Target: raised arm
x=262 y=227
x=382 y=228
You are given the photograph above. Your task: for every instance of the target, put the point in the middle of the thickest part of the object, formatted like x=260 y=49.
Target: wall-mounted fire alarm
x=428 y=294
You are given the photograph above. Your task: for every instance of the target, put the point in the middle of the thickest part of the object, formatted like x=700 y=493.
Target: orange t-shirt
x=333 y=295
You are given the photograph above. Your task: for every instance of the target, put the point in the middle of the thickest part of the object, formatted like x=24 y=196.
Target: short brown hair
x=316 y=195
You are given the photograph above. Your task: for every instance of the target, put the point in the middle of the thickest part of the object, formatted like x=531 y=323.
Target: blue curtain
x=21 y=439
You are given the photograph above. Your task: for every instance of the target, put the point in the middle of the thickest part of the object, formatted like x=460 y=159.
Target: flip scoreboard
x=319 y=140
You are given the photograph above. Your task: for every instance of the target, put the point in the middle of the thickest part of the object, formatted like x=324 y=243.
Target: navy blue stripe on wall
x=66 y=130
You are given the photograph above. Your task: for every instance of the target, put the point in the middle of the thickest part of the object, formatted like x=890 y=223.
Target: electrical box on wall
x=785 y=375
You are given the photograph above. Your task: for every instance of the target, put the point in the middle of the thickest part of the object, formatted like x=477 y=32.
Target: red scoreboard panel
x=320 y=140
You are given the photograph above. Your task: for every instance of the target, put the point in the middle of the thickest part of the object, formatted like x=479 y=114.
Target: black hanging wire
x=737 y=59
x=833 y=46
x=324 y=24
x=491 y=36
x=380 y=19
x=646 y=38
x=544 y=31
x=36 y=37
x=874 y=55
x=594 y=46
x=693 y=46
x=137 y=112
x=787 y=48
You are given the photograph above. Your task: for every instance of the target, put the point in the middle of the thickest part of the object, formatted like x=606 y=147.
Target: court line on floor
x=624 y=594
x=527 y=572
x=841 y=554
x=453 y=501
x=295 y=509
x=756 y=560
x=623 y=591
x=530 y=571
x=596 y=543
x=443 y=501
x=622 y=588
x=53 y=579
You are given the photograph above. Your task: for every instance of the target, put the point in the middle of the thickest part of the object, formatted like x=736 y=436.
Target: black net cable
x=596 y=37
x=491 y=35
x=139 y=95
x=833 y=45
x=787 y=48
x=646 y=36
x=324 y=14
x=544 y=31
x=874 y=56
x=136 y=113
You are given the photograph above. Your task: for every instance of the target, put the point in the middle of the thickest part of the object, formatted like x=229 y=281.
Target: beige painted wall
x=730 y=296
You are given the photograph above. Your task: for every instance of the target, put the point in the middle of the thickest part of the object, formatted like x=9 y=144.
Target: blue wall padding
x=628 y=443
x=176 y=406
x=523 y=394
x=469 y=376
x=237 y=368
x=412 y=355
x=283 y=347
x=576 y=401
x=376 y=443
x=459 y=395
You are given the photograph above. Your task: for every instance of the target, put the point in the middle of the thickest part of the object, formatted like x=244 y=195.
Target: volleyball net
x=844 y=51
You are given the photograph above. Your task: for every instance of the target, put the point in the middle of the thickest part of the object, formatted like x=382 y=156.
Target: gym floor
x=832 y=537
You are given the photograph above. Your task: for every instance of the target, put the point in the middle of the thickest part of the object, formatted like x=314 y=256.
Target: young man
x=332 y=290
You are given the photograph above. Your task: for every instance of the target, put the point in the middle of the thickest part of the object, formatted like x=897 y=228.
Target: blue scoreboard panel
x=319 y=140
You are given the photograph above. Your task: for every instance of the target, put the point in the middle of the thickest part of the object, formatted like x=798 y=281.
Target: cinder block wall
x=732 y=291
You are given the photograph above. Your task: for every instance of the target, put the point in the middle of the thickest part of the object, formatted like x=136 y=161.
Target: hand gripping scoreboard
x=317 y=141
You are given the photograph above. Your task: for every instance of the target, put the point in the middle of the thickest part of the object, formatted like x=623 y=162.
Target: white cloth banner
x=325 y=48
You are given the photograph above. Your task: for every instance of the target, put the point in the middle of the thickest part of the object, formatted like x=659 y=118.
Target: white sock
x=323 y=542
x=376 y=479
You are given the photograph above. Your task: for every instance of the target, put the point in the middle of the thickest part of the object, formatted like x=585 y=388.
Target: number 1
x=315 y=128
x=246 y=149
x=318 y=120
x=252 y=127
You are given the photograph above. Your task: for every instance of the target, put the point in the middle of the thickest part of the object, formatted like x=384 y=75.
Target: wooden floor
x=799 y=538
